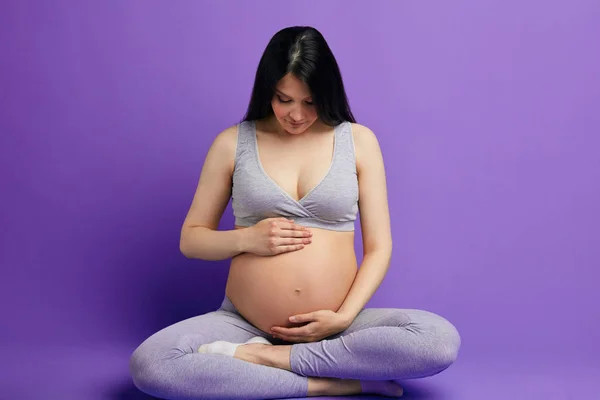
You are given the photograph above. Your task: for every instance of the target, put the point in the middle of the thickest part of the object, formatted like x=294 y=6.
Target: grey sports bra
x=332 y=204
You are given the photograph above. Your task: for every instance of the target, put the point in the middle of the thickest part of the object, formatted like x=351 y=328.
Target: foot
x=231 y=349
x=349 y=387
x=383 y=388
x=250 y=352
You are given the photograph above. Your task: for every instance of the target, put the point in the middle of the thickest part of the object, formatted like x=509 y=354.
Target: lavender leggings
x=380 y=344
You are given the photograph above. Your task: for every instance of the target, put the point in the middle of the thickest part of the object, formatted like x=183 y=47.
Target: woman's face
x=292 y=105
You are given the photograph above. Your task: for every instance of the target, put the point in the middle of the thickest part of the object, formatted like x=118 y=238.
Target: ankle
x=333 y=387
x=246 y=352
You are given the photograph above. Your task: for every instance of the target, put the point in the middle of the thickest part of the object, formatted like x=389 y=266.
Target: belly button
x=297 y=290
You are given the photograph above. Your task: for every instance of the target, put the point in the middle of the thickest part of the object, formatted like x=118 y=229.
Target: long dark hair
x=303 y=52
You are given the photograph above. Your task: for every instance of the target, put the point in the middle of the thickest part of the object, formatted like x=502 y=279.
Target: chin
x=296 y=130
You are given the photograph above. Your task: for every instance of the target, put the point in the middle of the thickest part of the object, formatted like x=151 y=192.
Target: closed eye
x=310 y=103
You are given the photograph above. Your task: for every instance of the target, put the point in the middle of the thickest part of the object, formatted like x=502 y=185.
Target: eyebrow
x=281 y=93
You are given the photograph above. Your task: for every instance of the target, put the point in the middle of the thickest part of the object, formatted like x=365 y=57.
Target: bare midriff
x=267 y=290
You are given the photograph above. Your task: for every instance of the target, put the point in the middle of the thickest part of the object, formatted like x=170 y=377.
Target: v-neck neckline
x=257 y=156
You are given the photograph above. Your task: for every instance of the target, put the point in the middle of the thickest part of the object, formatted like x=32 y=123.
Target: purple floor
x=88 y=372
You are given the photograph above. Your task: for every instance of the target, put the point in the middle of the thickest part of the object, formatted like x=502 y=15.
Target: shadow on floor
x=413 y=390
x=127 y=391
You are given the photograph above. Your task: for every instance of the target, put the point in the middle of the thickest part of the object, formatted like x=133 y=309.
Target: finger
x=284 y=219
x=290 y=225
x=291 y=242
x=303 y=317
x=295 y=339
x=292 y=332
x=288 y=248
x=294 y=233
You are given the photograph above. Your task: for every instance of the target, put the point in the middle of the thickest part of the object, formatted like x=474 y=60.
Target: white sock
x=228 y=348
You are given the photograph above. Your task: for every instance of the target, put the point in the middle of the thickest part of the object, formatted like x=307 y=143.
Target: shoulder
x=227 y=137
x=366 y=144
x=361 y=133
x=224 y=145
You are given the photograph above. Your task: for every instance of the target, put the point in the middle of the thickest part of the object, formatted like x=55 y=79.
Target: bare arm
x=199 y=235
x=374 y=221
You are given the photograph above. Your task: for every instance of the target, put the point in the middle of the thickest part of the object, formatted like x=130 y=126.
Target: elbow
x=184 y=246
x=190 y=244
x=184 y=250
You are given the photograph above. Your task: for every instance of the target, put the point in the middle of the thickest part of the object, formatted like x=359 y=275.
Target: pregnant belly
x=268 y=290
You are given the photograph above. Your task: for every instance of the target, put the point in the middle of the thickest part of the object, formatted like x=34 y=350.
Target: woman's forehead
x=291 y=86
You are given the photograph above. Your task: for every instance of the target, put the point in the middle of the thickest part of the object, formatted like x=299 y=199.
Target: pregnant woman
x=293 y=321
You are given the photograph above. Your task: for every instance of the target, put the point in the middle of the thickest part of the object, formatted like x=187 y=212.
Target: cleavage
x=296 y=168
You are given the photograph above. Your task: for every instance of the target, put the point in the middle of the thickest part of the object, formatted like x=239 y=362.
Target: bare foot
x=346 y=387
x=269 y=355
x=250 y=352
x=383 y=388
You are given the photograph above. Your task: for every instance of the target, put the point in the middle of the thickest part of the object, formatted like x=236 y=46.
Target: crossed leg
x=381 y=345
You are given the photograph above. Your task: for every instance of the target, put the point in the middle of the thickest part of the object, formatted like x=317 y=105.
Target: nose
x=296 y=115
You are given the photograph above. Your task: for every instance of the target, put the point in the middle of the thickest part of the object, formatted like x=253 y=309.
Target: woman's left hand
x=321 y=324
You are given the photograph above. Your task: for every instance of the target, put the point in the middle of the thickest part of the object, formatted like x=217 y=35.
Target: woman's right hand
x=273 y=236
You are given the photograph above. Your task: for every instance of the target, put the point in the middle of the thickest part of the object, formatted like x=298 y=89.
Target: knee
x=144 y=369
x=448 y=345
x=139 y=368
x=439 y=342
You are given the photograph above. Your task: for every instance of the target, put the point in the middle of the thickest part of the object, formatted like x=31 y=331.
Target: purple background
x=487 y=113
